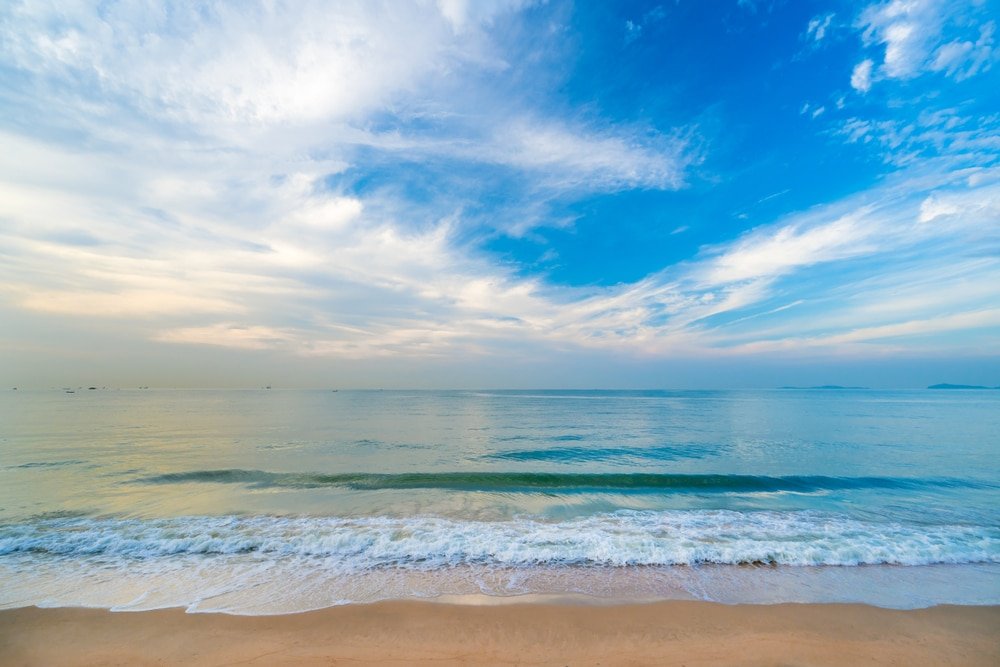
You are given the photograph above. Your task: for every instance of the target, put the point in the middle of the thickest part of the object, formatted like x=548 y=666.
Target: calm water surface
x=274 y=501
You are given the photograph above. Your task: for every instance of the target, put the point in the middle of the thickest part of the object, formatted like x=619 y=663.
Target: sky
x=499 y=193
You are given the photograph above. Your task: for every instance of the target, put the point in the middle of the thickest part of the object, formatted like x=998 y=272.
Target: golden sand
x=426 y=633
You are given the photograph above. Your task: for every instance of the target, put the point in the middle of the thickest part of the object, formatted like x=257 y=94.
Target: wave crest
x=619 y=539
x=513 y=482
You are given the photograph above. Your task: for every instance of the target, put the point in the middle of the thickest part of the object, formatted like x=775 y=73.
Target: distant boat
x=333 y=390
x=267 y=387
x=70 y=391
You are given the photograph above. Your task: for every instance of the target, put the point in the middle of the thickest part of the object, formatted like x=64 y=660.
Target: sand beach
x=428 y=633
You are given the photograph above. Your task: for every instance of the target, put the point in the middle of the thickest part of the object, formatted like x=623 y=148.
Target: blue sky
x=463 y=194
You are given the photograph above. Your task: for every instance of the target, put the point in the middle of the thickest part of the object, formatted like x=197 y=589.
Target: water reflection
x=63 y=453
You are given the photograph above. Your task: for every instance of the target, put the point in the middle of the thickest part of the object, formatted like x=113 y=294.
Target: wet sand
x=425 y=633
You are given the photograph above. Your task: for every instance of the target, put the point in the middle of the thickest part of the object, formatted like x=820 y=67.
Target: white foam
x=424 y=542
x=267 y=564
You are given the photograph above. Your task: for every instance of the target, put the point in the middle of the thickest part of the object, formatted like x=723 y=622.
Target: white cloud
x=891 y=259
x=606 y=160
x=873 y=337
x=919 y=36
x=227 y=98
x=962 y=59
x=202 y=207
x=248 y=64
x=981 y=203
x=369 y=289
x=908 y=29
x=326 y=212
x=932 y=208
x=944 y=134
x=818 y=26
x=861 y=76
x=260 y=78
x=770 y=253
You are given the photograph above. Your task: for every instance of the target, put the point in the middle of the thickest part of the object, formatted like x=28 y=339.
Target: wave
x=48 y=464
x=513 y=482
x=578 y=455
x=623 y=538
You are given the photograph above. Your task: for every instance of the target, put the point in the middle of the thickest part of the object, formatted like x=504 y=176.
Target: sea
x=277 y=501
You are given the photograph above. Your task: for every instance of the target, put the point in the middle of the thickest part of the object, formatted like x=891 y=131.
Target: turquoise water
x=273 y=501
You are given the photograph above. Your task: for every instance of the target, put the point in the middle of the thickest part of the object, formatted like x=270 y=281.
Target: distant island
x=825 y=386
x=959 y=386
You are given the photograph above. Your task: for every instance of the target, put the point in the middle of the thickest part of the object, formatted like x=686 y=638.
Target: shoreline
x=291 y=586
x=538 y=633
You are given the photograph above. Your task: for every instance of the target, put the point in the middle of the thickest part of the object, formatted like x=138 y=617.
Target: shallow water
x=274 y=501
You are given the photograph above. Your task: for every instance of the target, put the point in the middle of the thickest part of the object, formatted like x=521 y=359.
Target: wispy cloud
x=861 y=76
x=248 y=64
x=634 y=29
x=348 y=283
x=946 y=134
x=818 y=26
x=919 y=36
x=316 y=183
x=327 y=278
x=605 y=161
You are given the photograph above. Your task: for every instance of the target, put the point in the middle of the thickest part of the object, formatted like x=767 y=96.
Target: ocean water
x=271 y=501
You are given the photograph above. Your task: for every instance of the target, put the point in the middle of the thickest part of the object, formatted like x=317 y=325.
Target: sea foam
x=617 y=539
